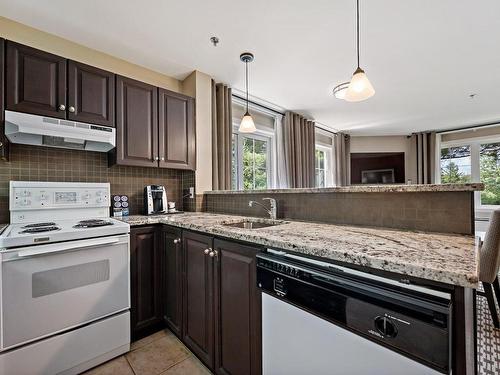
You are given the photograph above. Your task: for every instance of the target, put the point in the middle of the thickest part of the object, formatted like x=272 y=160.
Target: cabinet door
x=198 y=322
x=172 y=278
x=136 y=123
x=177 y=139
x=91 y=94
x=238 y=310
x=36 y=81
x=145 y=282
x=4 y=146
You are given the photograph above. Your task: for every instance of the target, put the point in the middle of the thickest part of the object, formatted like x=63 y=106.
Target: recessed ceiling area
x=424 y=58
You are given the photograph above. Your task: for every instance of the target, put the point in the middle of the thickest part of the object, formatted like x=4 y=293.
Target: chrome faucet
x=274 y=207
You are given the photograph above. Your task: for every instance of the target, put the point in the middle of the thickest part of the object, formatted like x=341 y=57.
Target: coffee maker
x=155 y=200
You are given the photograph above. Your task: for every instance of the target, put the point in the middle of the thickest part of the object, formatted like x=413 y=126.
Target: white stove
x=64 y=279
x=42 y=232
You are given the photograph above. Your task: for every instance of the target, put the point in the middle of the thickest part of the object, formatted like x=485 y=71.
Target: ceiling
x=424 y=57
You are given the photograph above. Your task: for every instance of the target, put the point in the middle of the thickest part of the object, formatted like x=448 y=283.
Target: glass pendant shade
x=247 y=125
x=359 y=88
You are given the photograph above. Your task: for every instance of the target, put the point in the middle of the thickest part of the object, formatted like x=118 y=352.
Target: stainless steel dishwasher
x=319 y=318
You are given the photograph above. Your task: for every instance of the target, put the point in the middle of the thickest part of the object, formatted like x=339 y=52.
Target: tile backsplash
x=33 y=163
x=447 y=212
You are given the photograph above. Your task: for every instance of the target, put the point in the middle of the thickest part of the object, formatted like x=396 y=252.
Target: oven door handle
x=47 y=249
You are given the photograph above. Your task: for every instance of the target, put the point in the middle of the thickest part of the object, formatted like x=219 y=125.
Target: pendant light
x=360 y=87
x=247 y=125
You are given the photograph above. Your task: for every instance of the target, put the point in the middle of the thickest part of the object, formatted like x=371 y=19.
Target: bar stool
x=489 y=262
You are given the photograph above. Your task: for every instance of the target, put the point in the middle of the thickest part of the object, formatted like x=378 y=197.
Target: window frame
x=475 y=150
x=328 y=151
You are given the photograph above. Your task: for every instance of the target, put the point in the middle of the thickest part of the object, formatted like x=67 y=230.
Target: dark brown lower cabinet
x=146 y=259
x=171 y=242
x=237 y=310
x=198 y=305
x=204 y=290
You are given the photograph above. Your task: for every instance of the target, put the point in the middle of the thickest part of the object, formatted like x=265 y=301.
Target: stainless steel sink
x=254 y=224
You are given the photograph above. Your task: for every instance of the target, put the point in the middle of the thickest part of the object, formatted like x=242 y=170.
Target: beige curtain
x=423 y=157
x=298 y=137
x=221 y=136
x=342 y=159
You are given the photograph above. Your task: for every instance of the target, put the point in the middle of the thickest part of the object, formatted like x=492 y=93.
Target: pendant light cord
x=246 y=80
x=357 y=28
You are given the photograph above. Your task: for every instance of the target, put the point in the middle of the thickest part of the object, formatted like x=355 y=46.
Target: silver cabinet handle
x=207 y=250
x=177 y=240
x=1 y=144
x=162 y=159
x=157 y=158
x=62 y=107
x=71 y=109
x=213 y=253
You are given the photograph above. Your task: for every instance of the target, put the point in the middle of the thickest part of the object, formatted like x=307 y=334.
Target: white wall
x=394 y=143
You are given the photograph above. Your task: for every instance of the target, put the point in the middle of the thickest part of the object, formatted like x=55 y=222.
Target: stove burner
x=92 y=223
x=37 y=225
x=40 y=229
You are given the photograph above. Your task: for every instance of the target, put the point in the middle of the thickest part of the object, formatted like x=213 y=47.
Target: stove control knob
x=385 y=326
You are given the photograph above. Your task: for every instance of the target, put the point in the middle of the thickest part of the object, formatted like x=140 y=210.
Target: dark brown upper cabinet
x=4 y=145
x=198 y=305
x=237 y=310
x=136 y=123
x=91 y=94
x=172 y=278
x=35 y=81
x=176 y=126
x=146 y=257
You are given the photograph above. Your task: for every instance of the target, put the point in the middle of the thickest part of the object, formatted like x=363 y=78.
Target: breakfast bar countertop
x=447 y=258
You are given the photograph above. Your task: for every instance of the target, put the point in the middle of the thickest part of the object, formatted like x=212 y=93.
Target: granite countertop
x=2 y=227
x=396 y=188
x=446 y=258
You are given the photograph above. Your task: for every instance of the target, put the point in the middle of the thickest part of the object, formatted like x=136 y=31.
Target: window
x=455 y=165
x=324 y=173
x=474 y=160
x=251 y=162
x=254 y=155
x=489 y=167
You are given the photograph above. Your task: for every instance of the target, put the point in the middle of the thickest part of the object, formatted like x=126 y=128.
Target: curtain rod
x=259 y=105
x=281 y=113
x=486 y=125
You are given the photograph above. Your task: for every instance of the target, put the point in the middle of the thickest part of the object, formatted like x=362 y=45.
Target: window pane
x=320 y=159
x=260 y=154
x=455 y=165
x=254 y=164
x=260 y=179
x=234 y=164
x=320 y=178
x=247 y=163
x=489 y=163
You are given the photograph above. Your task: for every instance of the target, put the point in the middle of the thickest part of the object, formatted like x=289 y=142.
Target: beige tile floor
x=161 y=353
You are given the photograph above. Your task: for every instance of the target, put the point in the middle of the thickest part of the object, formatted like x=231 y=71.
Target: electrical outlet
x=191 y=192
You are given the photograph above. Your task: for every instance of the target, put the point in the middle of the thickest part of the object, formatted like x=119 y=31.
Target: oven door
x=50 y=288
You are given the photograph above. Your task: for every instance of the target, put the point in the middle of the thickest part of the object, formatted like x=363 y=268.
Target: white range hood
x=48 y=131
